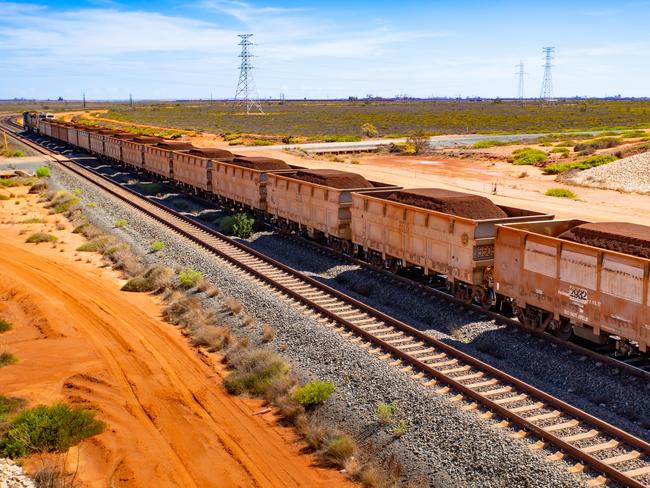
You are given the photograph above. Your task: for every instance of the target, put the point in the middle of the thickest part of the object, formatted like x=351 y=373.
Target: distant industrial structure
x=520 y=73
x=246 y=94
x=547 y=83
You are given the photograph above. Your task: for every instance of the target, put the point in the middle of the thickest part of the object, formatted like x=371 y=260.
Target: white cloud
x=246 y=12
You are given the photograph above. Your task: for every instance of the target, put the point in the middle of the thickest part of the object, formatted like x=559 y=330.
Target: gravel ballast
x=448 y=445
x=12 y=475
x=630 y=175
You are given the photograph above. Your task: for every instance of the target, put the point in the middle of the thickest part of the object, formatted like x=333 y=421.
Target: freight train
x=567 y=277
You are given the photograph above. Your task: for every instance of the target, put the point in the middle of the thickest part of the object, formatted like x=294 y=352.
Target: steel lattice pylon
x=521 y=73
x=547 y=83
x=246 y=84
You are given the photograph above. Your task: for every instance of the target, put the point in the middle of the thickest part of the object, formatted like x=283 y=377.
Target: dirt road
x=169 y=420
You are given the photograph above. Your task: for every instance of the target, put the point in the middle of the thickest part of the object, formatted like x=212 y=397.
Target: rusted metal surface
x=457 y=247
x=603 y=291
x=315 y=207
x=418 y=354
x=193 y=170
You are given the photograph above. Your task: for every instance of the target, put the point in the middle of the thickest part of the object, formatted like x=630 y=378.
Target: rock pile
x=628 y=174
x=12 y=476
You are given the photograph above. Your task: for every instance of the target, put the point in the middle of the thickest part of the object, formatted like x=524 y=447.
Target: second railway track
x=592 y=443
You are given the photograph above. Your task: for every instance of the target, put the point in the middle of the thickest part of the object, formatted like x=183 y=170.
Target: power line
x=547 y=83
x=521 y=73
x=246 y=85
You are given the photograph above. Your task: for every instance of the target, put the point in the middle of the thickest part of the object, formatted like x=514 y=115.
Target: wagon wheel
x=563 y=330
x=484 y=298
x=346 y=247
x=376 y=260
x=463 y=294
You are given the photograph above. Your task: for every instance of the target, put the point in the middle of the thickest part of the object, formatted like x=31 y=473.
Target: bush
x=214 y=338
x=41 y=237
x=152 y=279
x=9 y=406
x=560 y=192
x=43 y=172
x=4 y=197
x=369 y=130
x=188 y=277
x=341 y=138
x=33 y=220
x=98 y=244
x=48 y=428
x=254 y=371
x=313 y=393
x=528 y=156
x=560 y=150
x=62 y=200
x=400 y=428
x=13 y=182
x=488 y=144
x=260 y=142
x=121 y=223
x=591 y=162
x=5 y=325
x=6 y=358
x=157 y=246
x=386 y=412
x=239 y=225
x=337 y=451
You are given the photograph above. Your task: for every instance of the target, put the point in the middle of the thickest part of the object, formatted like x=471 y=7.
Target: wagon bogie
x=589 y=291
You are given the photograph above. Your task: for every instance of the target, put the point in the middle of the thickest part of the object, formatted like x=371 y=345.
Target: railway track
x=612 y=453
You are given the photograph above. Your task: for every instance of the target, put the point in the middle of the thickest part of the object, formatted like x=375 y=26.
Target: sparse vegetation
x=369 y=130
x=48 y=428
x=488 y=144
x=337 y=450
x=5 y=325
x=34 y=220
x=153 y=279
x=6 y=358
x=313 y=393
x=239 y=225
x=16 y=181
x=419 y=140
x=400 y=428
x=4 y=197
x=189 y=277
x=41 y=237
x=590 y=162
x=233 y=305
x=9 y=406
x=157 y=246
x=268 y=333
x=528 y=156
x=560 y=192
x=254 y=371
x=43 y=172
x=62 y=201
x=387 y=412
x=120 y=223
x=97 y=244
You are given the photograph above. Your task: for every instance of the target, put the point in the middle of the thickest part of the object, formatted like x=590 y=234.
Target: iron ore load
x=568 y=277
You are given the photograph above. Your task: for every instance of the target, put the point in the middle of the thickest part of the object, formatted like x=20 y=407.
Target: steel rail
x=201 y=235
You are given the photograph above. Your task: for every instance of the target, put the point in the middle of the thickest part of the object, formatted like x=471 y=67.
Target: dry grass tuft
x=336 y=451
x=233 y=305
x=213 y=338
x=153 y=279
x=268 y=333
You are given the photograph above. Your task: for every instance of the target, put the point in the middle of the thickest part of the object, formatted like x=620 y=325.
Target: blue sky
x=323 y=49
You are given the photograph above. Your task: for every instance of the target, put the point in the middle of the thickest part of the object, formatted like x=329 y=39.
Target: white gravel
x=630 y=175
x=449 y=446
x=12 y=476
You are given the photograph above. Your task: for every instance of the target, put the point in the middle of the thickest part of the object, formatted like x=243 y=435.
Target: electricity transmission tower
x=521 y=73
x=246 y=85
x=547 y=83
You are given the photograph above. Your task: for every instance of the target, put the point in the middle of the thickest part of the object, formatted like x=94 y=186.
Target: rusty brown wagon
x=133 y=150
x=573 y=288
x=457 y=249
x=194 y=168
x=298 y=202
x=242 y=181
x=157 y=158
x=113 y=145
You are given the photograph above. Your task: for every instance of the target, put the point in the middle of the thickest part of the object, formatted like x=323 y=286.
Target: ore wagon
x=158 y=157
x=83 y=135
x=97 y=141
x=242 y=181
x=446 y=234
x=317 y=203
x=575 y=277
x=133 y=150
x=193 y=169
x=113 y=145
x=73 y=137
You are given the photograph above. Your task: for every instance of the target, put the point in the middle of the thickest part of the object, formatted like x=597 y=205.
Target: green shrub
x=560 y=192
x=65 y=205
x=239 y=225
x=33 y=220
x=43 y=172
x=4 y=197
x=488 y=144
x=98 y=244
x=254 y=371
x=41 y=237
x=313 y=393
x=5 y=325
x=337 y=451
x=590 y=162
x=386 y=412
x=121 y=223
x=260 y=142
x=48 y=428
x=231 y=137
x=76 y=192
x=400 y=428
x=9 y=406
x=17 y=181
x=91 y=204
x=80 y=228
x=528 y=156
x=6 y=358
x=152 y=279
x=157 y=246
x=341 y=138
x=188 y=277
x=369 y=130
x=560 y=150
